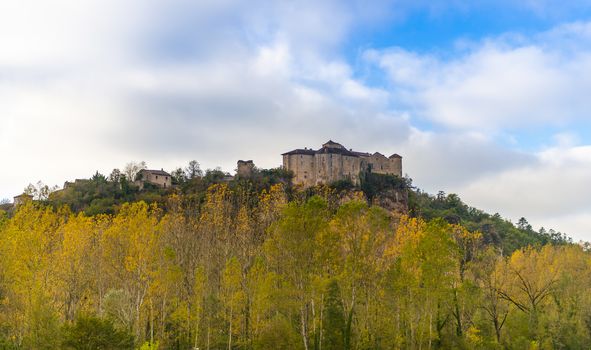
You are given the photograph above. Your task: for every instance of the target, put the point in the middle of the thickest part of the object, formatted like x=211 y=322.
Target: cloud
x=507 y=83
x=448 y=161
x=550 y=191
x=90 y=86
x=496 y=89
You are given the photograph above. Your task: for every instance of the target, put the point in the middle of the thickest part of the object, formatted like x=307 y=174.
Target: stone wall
x=333 y=162
x=159 y=178
x=245 y=168
x=303 y=166
x=381 y=165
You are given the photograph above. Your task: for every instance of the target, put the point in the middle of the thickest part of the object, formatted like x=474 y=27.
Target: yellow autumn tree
x=131 y=249
x=74 y=265
x=27 y=247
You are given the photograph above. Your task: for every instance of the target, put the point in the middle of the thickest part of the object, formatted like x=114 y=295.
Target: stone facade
x=159 y=178
x=76 y=182
x=22 y=199
x=333 y=162
x=244 y=168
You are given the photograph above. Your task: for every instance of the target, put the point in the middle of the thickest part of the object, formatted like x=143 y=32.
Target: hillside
x=256 y=263
x=105 y=195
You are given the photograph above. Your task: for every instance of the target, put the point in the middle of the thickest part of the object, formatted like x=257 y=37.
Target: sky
x=488 y=99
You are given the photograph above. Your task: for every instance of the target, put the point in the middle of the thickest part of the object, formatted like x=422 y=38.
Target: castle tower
x=334 y=162
x=245 y=168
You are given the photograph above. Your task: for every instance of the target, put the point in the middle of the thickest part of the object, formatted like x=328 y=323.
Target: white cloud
x=447 y=161
x=88 y=86
x=495 y=89
x=502 y=83
x=552 y=192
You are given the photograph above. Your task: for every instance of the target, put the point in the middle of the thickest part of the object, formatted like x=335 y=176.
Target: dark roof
x=23 y=195
x=332 y=143
x=300 y=151
x=156 y=172
x=361 y=154
x=330 y=150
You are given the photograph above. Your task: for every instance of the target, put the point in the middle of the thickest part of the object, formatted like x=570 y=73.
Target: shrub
x=93 y=333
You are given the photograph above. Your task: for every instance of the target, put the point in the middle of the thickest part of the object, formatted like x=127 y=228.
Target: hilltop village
x=330 y=165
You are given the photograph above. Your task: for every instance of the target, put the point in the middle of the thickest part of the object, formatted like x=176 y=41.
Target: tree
x=94 y=333
x=351 y=250
x=178 y=176
x=73 y=265
x=115 y=175
x=232 y=297
x=278 y=333
x=291 y=250
x=523 y=225
x=132 y=169
x=39 y=192
x=131 y=252
x=193 y=170
x=334 y=323
x=490 y=274
x=423 y=279
x=27 y=249
x=260 y=265
x=533 y=275
x=98 y=178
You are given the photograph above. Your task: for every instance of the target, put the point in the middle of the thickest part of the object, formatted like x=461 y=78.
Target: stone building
x=244 y=168
x=333 y=162
x=159 y=178
x=21 y=199
x=77 y=182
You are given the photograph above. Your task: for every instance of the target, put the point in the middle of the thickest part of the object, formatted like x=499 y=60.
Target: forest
x=258 y=264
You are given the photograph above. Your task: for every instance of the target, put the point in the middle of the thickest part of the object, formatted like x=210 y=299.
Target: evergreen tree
x=334 y=323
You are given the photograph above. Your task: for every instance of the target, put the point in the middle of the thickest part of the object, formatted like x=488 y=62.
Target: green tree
x=291 y=251
x=94 y=333
x=334 y=322
x=193 y=170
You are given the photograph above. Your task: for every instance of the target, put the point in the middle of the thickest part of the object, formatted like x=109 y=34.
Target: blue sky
x=439 y=27
x=487 y=99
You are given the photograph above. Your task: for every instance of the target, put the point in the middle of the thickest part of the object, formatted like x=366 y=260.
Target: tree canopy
x=257 y=263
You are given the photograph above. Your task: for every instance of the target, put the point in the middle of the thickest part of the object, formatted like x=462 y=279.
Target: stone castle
x=333 y=162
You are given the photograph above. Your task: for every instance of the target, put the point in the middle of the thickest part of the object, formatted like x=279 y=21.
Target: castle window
x=156 y=177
